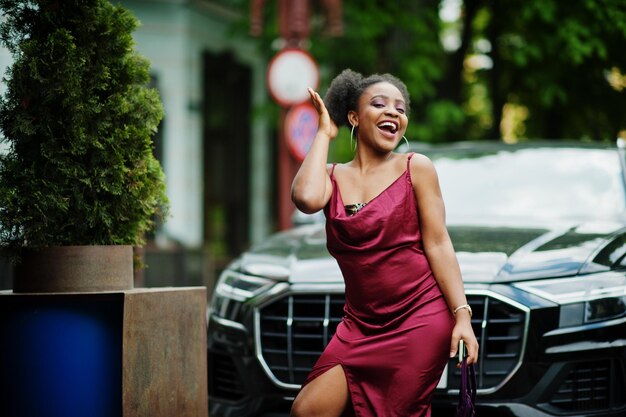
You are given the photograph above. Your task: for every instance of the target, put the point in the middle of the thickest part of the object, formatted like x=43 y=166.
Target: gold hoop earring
x=356 y=143
x=407 y=141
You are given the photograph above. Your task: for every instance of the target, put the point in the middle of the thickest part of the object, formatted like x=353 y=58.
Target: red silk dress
x=394 y=340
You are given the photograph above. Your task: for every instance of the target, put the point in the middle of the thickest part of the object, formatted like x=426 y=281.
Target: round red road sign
x=289 y=73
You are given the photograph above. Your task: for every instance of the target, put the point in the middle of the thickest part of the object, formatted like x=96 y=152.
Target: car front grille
x=295 y=329
x=224 y=379
x=500 y=328
x=591 y=386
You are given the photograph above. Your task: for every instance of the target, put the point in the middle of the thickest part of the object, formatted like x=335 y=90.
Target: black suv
x=540 y=233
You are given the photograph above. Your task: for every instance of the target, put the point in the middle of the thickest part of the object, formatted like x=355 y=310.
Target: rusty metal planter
x=74 y=269
x=77 y=339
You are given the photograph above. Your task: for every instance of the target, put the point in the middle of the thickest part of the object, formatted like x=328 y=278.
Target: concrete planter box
x=128 y=352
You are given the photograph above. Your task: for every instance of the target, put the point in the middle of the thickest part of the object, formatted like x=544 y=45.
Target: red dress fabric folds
x=394 y=340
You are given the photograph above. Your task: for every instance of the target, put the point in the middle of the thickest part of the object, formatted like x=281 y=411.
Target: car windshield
x=531 y=185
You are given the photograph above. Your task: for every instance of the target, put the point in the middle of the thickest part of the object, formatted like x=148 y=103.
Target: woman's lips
x=387 y=133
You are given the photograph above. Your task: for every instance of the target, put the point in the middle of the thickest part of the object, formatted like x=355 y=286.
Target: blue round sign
x=300 y=129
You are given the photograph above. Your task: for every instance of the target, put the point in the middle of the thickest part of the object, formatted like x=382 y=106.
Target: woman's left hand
x=463 y=331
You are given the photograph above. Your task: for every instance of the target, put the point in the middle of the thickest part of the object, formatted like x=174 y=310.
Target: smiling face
x=381 y=117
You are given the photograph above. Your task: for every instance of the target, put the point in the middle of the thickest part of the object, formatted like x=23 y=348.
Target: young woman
x=406 y=309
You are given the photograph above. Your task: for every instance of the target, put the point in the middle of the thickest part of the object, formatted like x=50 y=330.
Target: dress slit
x=350 y=410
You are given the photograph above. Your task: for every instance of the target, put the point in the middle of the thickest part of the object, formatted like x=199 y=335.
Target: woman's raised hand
x=326 y=125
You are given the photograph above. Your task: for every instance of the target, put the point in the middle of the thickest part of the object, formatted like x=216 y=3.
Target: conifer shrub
x=77 y=119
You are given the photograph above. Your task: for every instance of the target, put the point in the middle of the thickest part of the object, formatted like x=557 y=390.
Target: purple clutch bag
x=467 y=393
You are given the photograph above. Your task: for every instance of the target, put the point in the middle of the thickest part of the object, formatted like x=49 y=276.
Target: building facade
x=217 y=156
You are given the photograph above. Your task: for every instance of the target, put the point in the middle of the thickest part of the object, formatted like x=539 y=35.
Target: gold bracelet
x=464 y=306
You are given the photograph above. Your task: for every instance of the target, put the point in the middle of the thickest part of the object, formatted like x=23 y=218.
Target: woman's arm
x=440 y=252
x=311 y=188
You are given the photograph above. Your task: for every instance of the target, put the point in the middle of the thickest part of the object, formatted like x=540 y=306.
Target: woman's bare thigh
x=325 y=396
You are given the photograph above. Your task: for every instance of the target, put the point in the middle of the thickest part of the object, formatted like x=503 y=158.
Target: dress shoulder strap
x=408 y=167
x=332 y=170
x=408 y=161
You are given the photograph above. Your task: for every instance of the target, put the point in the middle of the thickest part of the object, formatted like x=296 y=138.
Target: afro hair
x=346 y=89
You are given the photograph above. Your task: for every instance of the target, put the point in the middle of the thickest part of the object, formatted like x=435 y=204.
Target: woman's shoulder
x=421 y=168
x=420 y=161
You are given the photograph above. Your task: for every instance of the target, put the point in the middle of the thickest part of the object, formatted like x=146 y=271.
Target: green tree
x=551 y=59
x=78 y=118
x=397 y=37
x=556 y=59
x=402 y=39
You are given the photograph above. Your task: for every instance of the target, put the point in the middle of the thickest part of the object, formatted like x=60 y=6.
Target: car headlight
x=233 y=289
x=585 y=299
x=240 y=287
